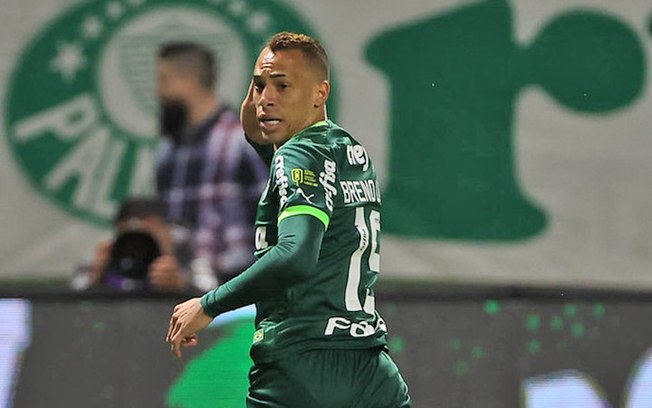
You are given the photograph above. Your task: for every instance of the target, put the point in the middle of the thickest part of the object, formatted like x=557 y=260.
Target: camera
x=131 y=254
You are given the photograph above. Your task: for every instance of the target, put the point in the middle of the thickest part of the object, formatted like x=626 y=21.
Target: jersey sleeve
x=304 y=180
x=286 y=263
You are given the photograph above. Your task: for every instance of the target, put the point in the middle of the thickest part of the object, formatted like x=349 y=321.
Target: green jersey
x=325 y=173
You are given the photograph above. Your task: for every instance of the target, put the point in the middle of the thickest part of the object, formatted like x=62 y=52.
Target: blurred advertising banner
x=512 y=138
x=473 y=352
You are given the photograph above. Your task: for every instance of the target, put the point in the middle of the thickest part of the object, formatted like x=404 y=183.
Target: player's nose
x=267 y=96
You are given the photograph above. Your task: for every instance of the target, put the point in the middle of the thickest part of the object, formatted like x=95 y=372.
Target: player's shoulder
x=324 y=138
x=335 y=135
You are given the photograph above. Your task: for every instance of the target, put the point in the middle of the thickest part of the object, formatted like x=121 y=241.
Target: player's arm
x=303 y=218
x=290 y=260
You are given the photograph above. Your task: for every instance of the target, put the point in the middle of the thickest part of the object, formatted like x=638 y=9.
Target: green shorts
x=329 y=379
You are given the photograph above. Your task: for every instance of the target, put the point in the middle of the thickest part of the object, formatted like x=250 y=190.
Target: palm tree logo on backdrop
x=455 y=79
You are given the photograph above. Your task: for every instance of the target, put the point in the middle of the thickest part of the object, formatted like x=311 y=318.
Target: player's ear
x=321 y=94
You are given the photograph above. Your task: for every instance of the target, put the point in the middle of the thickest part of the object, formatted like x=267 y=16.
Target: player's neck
x=319 y=116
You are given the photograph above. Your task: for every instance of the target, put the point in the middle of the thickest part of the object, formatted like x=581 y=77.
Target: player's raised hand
x=187 y=319
x=248 y=117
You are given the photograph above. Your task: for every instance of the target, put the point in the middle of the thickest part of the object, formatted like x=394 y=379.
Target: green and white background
x=512 y=138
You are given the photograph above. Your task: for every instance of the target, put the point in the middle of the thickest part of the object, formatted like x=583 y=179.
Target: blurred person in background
x=146 y=253
x=208 y=178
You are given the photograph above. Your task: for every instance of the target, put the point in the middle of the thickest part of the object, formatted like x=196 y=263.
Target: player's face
x=288 y=94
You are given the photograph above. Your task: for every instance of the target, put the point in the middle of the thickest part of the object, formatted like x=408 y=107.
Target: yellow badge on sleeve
x=301 y=176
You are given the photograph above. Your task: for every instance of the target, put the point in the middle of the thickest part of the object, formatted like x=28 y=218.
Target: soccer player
x=319 y=341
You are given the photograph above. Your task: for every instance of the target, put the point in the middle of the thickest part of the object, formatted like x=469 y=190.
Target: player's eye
x=258 y=86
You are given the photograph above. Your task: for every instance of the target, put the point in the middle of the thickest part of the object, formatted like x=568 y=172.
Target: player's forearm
x=294 y=256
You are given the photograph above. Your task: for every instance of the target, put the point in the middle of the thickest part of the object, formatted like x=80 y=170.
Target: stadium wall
x=464 y=348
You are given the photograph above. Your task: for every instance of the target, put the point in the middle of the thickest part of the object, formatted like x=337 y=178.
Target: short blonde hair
x=309 y=47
